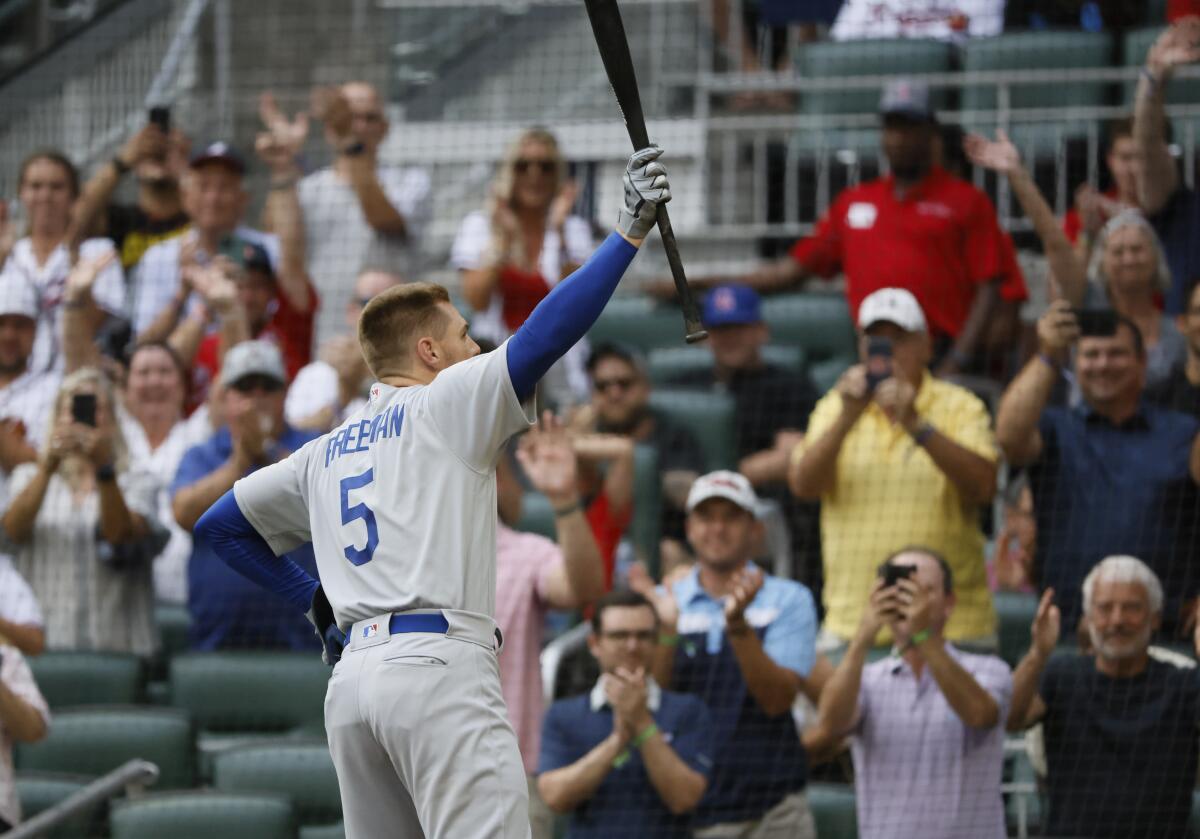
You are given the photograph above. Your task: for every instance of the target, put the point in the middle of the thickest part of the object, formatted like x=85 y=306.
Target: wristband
x=918 y=638
x=668 y=640
x=1145 y=73
x=646 y=734
x=923 y=433
x=105 y=473
x=120 y=165
x=560 y=512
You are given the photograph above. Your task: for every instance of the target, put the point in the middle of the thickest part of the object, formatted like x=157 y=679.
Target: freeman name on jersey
x=359 y=436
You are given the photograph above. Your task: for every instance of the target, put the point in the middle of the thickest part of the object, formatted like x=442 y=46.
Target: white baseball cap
x=731 y=486
x=18 y=297
x=253 y=358
x=894 y=305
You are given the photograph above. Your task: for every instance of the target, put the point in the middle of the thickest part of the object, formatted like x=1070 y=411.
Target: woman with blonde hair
x=82 y=526
x=512 y=254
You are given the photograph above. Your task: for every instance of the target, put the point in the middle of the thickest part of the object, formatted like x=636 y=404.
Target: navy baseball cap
x=907 y=98
x=732 y=305
x=219 y=152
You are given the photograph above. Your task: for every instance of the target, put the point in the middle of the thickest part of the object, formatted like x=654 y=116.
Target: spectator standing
x=911 y=454
x=927 y=722
x=328 y=390
x=158 y=434
x=21 y=621
x=24 y=718
x=1119 y=725
x=533 y=575
x=918 y=228
x=49 y=185
x=83 y=528
x=1172 y=207
x=620 y=404
x=773 y=406
x=933 y=19
x=157 y=160
x=629 y=758
x=1093 y=208
x=228 y=610
x=743 y=642
x=1113 y=473
x=1180 y=391
x=357 y=213
x=512 y=254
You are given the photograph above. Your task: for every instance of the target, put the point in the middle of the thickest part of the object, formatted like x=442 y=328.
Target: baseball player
x=400 y=505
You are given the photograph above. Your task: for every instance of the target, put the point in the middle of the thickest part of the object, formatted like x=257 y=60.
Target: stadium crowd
x=835 y=592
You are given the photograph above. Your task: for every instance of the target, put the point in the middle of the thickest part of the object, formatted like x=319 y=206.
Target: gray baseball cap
x=906 y=98
x=18 y=297
x=253 y=358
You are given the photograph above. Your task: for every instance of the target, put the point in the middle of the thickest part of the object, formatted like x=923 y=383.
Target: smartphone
x=83 y=408
x=893 y=573
x=879 y=361
x=1096 y=322
x=161 y=116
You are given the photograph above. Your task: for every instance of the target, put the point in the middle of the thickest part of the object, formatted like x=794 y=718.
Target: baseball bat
x=605 y=17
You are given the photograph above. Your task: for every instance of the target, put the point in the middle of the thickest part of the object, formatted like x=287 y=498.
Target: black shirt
x=1176 y=393
x=1121 y=753
x=133 y=232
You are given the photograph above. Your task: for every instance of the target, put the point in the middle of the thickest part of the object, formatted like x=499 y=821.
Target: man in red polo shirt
x=919 y=228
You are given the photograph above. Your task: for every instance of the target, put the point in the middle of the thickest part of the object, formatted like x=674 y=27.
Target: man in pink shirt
x=534 y=574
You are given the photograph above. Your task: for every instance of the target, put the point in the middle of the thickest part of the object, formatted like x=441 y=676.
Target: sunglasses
x=622 y=636
x=546 y=167
x=620 y=383
x=251 y=383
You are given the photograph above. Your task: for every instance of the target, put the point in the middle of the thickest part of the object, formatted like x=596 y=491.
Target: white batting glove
x=645 y=188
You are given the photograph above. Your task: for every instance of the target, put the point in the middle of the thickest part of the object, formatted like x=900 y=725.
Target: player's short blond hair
x=396 y=317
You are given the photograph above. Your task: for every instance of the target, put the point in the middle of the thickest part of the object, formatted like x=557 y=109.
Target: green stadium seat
x=901 y=56
x=93 y=741
x=249 y=691
x=708 y=415
x=1040 y=51
x=203 y=815
x=39 y=791
x=825 y=374
x=818 y=323
x=833 y=810
x=861 y=142
x=72 y=677
x=330 y=831
x=669 y=363
x=1021 y=808
x=1014 y=613
x=173 y=622
x=645 y=529
x=640 y=322
x=301 y=771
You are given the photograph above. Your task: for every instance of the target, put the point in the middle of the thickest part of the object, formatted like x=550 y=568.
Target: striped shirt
x=95 y=597
x=15 y=675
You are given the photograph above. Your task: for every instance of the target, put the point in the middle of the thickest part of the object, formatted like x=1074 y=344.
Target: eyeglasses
x=546 y=167
x=622 y=636
x=256 y=381
x=621 y=383
x=373 y=117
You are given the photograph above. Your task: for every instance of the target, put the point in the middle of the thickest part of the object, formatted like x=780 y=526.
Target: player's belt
x=427 y=622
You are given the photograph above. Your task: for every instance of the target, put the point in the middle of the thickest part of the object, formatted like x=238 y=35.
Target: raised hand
x=330 y=107
x=1046 y=626
x=280 y=144
x=664 y=601
x=881 y=608
x=747 y=584
x=561 y=206
x=646 y=187
x=84 y=273
x=548 y=458
x=149 y=143
x=915 y=607
x=999 y=155
x=1178 y=44
x=852 y=387
x=1057 y=328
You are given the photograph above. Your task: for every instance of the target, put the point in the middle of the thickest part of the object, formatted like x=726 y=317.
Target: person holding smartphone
x=82 y=526
x=927 y=757
x=909 y=453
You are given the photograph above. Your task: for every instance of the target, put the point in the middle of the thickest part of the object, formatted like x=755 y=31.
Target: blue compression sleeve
x=225 y=529
x=566 y=314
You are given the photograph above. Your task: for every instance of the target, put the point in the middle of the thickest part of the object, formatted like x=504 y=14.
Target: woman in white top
x=83 y=529
x=158 y=434
x=512 y=254
x=48 y=186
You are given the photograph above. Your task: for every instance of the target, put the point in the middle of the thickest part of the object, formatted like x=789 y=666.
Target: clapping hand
x=664 y=602
x=747 y=583
x=84 y=273
x=626 y=693
x=1046 y=626
x=560 y=207
x=330 y=106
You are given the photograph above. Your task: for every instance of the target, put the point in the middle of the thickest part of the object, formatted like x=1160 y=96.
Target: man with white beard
x=1120 y=725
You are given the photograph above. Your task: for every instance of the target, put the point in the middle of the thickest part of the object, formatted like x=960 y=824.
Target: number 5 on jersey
x=359 y=556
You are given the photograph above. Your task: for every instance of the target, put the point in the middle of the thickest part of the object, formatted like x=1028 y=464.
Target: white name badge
x=861 y=215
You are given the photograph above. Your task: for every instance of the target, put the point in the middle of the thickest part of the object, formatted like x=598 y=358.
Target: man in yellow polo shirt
x=898 y=458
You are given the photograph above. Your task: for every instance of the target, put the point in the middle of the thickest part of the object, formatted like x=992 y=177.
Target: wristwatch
x=354 y=149
x=106 y=473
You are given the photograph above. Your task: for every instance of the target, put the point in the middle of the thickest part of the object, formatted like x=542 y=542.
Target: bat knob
x=696 y=336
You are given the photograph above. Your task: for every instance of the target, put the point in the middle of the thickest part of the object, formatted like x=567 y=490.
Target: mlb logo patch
x=370 y=630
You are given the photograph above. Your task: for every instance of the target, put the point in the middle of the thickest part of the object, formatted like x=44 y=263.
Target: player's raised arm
x=566 y=314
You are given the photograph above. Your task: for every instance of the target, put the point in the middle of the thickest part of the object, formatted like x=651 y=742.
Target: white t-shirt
x=341 y=243
x=30 y=399
x=17 y=601
x=575 y=245
x=400 y=500
x=50 y=280
x=943 y=20
x=314 y=389
x=156 y=279
x=15 y=675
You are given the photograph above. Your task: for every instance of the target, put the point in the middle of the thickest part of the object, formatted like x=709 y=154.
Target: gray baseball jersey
x=399 y=501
